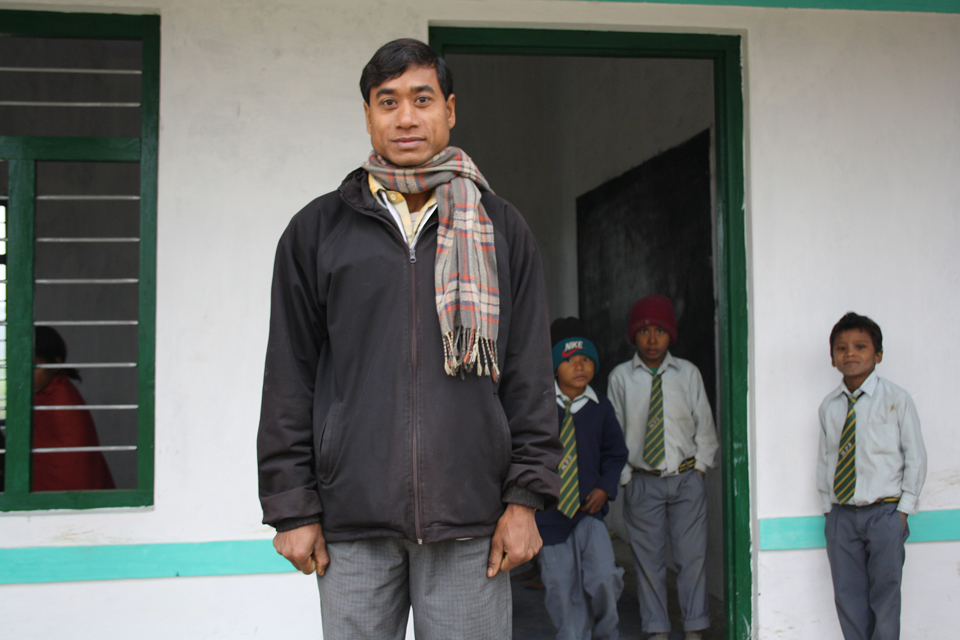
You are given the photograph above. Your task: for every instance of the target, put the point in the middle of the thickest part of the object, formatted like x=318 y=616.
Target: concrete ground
x=531 y=622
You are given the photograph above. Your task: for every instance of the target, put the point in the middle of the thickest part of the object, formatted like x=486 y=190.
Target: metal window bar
x=137 y=72
x=86 y=280
x=88 y=239
x=83 y=449
x=82 y=323
x=25 y=103
x=88 y=197
x=92 y=407
x=86 y=365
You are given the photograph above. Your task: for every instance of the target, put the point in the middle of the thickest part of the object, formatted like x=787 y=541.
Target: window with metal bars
x=78 y=141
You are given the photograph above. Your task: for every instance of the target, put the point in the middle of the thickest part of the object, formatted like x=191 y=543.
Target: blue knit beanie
x=566 y=334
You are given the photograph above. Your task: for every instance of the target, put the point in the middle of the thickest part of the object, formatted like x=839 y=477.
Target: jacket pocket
x=328 y=444
x=504 y=440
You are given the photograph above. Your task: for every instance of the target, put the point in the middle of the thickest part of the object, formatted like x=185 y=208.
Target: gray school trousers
x=655 y=507
x=370 y=585
x=865 y=549
x=583 y=583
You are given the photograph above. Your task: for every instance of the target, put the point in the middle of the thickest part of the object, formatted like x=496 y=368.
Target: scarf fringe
x=462 y=351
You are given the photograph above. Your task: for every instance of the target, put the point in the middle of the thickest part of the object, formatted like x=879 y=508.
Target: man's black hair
x=854 y=321
x=394 y=58
x=50 y=347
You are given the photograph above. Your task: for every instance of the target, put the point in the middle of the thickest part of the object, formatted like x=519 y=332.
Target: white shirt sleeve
x=914 y=456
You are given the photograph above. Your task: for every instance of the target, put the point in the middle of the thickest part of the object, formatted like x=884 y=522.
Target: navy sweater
x=601 y=454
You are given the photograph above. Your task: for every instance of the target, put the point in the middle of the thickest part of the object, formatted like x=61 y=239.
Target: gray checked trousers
x=370 y=586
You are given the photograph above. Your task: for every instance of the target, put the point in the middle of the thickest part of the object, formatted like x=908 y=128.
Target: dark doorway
x=512 y=123
x=650 y=230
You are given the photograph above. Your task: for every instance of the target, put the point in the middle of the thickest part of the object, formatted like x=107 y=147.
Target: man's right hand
x=304 y=547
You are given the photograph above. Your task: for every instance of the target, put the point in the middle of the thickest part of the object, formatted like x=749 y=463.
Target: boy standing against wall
x=577 y=564
x=662 y=405
x=871 y=468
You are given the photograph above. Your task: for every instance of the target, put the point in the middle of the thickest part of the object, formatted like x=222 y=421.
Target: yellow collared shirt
x=411 y=221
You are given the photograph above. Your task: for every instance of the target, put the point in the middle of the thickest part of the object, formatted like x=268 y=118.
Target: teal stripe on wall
x=247 y=557
x=123 y=561
x=929 y=6
x=806 y=532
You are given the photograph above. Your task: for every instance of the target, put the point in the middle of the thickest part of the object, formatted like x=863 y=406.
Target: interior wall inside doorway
x=546 y=129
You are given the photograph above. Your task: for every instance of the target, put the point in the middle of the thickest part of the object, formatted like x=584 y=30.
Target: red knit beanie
x=656 y=309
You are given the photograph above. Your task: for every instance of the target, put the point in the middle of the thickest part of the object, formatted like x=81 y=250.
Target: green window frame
x=22 y=154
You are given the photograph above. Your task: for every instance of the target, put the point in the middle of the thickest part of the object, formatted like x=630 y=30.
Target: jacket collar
x=356 y=193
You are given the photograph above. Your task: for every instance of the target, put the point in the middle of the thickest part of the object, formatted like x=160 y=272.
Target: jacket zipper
x=415 y=323
x=412 y=253
x=415 y=413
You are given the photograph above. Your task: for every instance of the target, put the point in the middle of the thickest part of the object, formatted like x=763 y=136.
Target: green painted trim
x=732 y=257
x=806 y=532
x=27 y=501
x=68 y=148
x=23 y=152
x=250 y=557
x=576 y=43
x=61 y=24
x=147 y=330
x=140 y=561
x=20 y=248
x=929 y=6
x=780 y=534
x=733 y=335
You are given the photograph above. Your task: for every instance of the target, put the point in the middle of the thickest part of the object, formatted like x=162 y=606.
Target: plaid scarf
x=465 y=270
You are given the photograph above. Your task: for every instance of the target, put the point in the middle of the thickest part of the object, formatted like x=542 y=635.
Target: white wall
x=853 y=153
x=797 y=600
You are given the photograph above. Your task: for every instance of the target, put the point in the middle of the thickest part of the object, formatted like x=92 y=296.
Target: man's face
x=408 y=119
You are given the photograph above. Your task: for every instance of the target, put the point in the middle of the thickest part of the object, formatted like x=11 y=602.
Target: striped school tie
x=653 y=449
x=569 y=482
x=845 y=480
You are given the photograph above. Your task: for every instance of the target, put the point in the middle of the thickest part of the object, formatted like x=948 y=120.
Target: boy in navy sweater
x=577 y=565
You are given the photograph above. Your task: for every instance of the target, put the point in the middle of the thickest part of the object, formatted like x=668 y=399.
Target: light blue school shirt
x=891 y=459
x=688 y=428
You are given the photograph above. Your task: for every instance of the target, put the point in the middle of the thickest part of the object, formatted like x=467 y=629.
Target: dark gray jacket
x=360 y=427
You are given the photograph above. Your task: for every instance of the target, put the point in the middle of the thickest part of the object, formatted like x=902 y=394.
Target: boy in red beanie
x=661 y=403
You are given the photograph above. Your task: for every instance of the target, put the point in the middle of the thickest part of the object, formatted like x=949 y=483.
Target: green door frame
x=731 y=248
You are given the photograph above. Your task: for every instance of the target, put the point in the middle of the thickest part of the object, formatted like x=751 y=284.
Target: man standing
x=407 y=430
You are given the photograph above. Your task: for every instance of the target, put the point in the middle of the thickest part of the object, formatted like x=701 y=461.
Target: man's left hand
x=515 y=541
